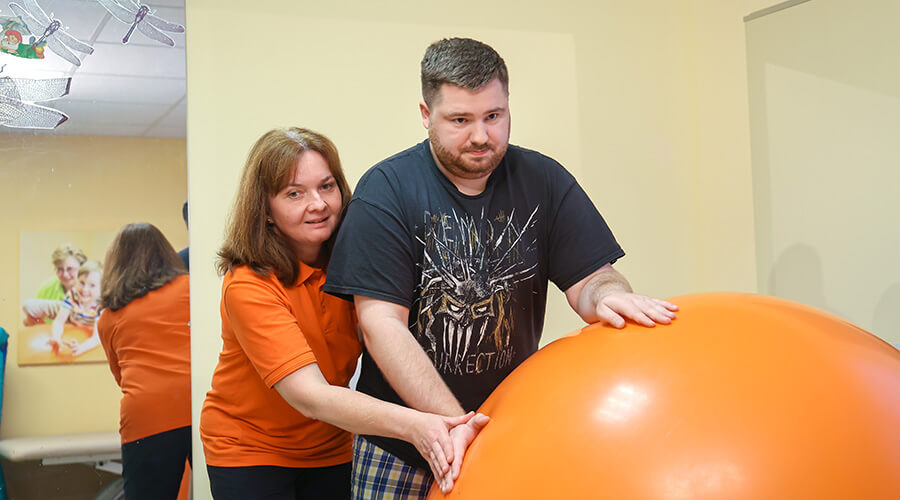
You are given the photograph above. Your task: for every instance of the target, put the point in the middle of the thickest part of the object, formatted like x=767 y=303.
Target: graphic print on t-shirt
x=469 y=267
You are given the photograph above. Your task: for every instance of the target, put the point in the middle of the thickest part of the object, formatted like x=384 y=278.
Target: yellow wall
x=722 y=189
x=75 y=183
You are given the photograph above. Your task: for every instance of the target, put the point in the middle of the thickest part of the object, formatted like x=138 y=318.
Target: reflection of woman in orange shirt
x=275 y=423
x=145 y=330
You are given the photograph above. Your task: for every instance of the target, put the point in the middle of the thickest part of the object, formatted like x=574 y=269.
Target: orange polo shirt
x=148 y=345
x=268 y=332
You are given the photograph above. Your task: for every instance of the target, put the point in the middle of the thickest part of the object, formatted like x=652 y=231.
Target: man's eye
x=493 y=116
x=459 y=121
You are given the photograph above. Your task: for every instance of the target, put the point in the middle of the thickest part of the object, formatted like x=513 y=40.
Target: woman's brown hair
x=139 y=260
x=270 y=166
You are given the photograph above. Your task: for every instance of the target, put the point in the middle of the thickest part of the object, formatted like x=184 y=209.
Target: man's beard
x=9 y=45
x=467 y=168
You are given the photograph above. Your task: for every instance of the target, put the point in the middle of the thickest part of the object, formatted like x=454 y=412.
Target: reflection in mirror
x=824 y=90
x=145 y=332
x=92 y=133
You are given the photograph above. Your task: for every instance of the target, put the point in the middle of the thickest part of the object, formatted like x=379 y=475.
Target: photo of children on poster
x=60 y=275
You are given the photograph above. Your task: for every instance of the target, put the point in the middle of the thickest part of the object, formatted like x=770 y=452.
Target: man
x=447 y=249
x=185 y=253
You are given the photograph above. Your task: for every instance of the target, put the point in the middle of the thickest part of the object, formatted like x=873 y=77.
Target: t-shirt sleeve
x=372 y=256
x=266 y=330
x=580 y=240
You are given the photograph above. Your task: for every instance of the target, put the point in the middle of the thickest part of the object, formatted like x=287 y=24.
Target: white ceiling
x=135 y=90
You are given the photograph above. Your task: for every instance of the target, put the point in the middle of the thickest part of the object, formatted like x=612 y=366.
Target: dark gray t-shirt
x=473 y=270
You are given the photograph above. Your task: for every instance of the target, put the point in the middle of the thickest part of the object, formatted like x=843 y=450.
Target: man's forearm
x=604 y=282
x=606 y=296
x=408 y=369
x=401 y=359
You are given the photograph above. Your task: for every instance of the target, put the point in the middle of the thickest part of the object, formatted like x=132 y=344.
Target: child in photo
x=81 y=308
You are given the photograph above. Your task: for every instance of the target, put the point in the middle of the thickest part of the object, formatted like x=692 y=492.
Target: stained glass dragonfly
x=140 y=17
x=54 y=34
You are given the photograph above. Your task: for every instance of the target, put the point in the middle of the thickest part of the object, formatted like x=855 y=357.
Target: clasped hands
x=443 y=441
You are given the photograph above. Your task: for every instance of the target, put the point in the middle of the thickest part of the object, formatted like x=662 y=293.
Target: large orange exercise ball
x=742 y=397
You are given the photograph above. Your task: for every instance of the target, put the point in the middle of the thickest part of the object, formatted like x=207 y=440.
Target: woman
x=145 y=330
x=67 y=259
x=275 y=423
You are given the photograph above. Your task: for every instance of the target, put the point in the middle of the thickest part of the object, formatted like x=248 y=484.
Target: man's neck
x=466 y=186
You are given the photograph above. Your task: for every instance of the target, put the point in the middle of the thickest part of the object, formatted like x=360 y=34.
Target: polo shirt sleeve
x=265 y=327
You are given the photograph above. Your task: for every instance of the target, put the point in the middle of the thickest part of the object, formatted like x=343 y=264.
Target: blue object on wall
x=4 y=341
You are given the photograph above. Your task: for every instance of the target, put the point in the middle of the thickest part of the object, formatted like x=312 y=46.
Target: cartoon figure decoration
x=12 y=41
x=52 y=32
x=140 y=17
x=17 y=98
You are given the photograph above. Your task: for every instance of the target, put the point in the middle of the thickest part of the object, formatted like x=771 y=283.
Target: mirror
x=824 y=114
x=118 y=157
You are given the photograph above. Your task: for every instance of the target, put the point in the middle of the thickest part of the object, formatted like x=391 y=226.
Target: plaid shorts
x=379 y=475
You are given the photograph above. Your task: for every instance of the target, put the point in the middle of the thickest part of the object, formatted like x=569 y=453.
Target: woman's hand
x=431 y=436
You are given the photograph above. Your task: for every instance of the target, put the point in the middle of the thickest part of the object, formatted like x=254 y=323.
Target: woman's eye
x=328 y=187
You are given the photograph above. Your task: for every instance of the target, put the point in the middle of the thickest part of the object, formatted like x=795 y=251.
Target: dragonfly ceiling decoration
x=140 y=17
x=17 y=98
x=54 y=35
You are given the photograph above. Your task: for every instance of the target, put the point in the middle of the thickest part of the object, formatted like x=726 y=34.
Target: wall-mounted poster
x=59 y=291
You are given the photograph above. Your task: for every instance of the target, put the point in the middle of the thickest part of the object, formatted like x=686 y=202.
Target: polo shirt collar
x=306 y=272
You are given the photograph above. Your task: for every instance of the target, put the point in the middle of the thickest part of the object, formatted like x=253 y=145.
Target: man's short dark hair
x=463 y=62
